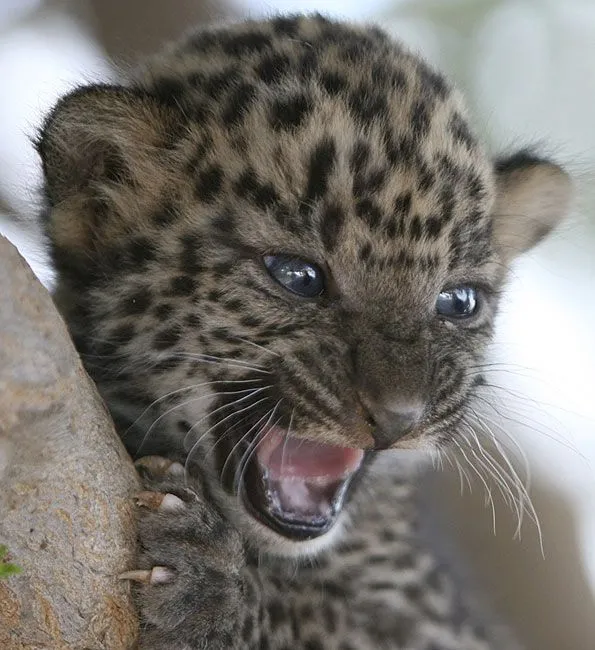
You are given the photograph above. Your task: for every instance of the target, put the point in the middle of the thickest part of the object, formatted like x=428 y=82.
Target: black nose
x=391 y=423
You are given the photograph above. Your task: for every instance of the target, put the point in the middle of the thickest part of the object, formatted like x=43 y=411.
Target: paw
x=189 y=573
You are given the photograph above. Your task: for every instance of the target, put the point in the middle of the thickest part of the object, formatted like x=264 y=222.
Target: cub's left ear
x=532 y=197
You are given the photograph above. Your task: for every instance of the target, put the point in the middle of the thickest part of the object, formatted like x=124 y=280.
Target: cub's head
x=280 y=250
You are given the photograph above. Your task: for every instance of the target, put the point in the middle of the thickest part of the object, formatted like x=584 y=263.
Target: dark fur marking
x=367 y=105
x=163 y=311
x=333 y=83
x=420 y=119
x=209 y=183
x=273 y=68
x=369 y=213
x=238 y=103
x=167 y=338
x=137 y=302
x=190 y=256
x=322 y=161
x=290 y=112
x=333 y=218
x=460 y=131
x=182 y=285
x=246 y=43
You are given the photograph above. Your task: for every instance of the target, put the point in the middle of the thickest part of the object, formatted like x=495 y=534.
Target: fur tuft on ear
x=532 y=197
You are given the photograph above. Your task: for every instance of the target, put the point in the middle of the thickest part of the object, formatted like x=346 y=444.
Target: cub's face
x=280 y=251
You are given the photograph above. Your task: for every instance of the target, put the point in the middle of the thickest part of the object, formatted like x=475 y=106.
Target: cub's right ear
x=102 y=148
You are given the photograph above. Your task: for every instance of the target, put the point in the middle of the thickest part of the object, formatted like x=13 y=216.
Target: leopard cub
x=280 y=250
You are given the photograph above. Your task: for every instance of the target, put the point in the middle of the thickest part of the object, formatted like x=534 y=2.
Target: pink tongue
x=287 y=457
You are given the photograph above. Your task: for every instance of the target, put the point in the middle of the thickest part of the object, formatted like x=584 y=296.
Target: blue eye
x=298 y=276
x=458 y=303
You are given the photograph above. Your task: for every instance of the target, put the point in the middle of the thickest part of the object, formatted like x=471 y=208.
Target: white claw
x=158 y=575
x=176 y=469
x=171 y=502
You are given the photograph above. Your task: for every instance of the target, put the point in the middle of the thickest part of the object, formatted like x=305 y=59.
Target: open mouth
x=298 y=487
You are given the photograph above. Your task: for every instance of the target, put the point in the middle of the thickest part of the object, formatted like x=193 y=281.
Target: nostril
x=370 y=420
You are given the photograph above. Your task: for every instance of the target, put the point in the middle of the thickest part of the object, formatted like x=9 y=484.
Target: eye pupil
x=296 y=275
x=457 y=303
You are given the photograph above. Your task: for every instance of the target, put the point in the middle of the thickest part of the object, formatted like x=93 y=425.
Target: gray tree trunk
x=66 y=482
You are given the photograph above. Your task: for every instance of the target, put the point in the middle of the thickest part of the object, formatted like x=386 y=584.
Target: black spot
x=391 y=228
x=333 y=218
x=360 y=157
x=167 y=338
x=461 y=131
x=245 y=43
x=167 y=364
x=193 y=320
x=447 y=203
x=277 y=613
x=425 y=177
x=239 y=101
x=433 y=81
x=219 y=82
x=313 y=644
x=165 y=215
x=247 y=629
x=250 y=321
x=222 y=334
x=209 y=183
x=433 y=227
x=415 y=228
x=420 y=119
x=115 y=168
x=369 y=212
x=367 y=105
x=476 y=188
x=330 y=618
x=163 y=311
x=405 y=260
x=234 y=304
x=225 y=222
x=204 y=41
x=137 y=302
x=364 y=252
x=139 y=252
x=385 y=77
x=168 y=91
x=321 y=165
x=273 y=68
x=403 y=204
x=290 y=112
x=266 y=196
x=286 y=25
x=333 y=83
x=247 y=184
x=122 y=334
x=307 y=63
x=399 y=151
x=190 y=256
x=182 y=285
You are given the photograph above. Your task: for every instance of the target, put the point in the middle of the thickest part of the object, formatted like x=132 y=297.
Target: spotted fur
x=163 y=194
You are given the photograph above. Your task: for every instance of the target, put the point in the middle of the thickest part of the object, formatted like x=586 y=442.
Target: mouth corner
x=297 y=487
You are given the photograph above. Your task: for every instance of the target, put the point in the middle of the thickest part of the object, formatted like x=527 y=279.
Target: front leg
x=191 y=590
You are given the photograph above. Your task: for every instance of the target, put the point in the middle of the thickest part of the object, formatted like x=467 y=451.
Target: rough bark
x=66 y=483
